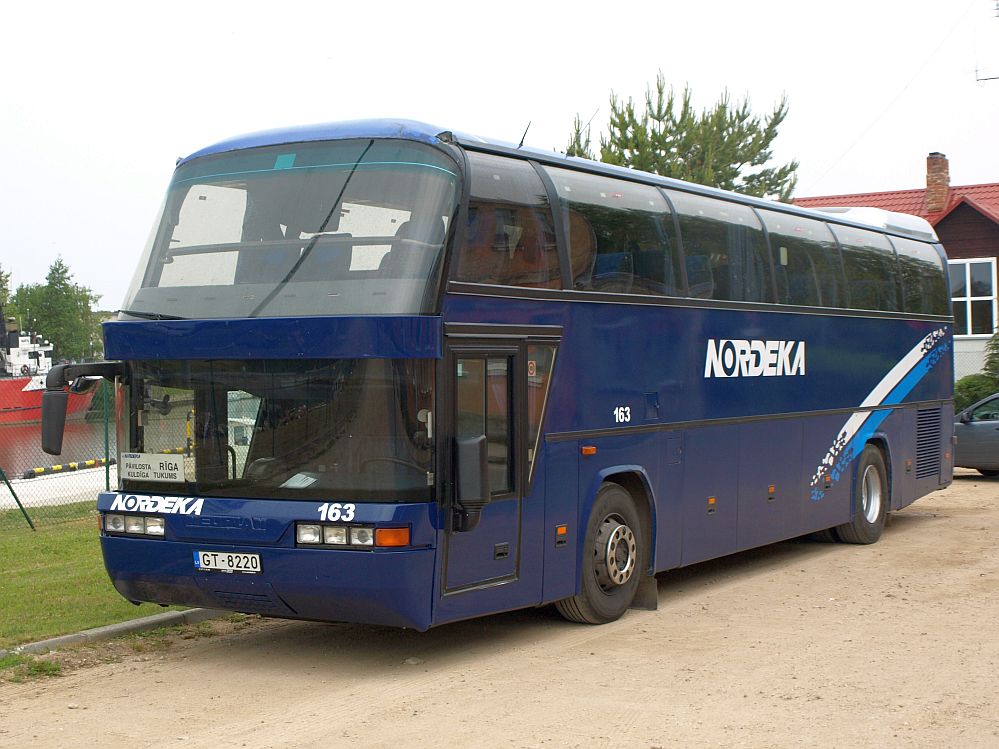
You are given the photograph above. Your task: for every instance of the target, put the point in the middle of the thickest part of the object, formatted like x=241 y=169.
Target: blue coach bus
x=376 y=372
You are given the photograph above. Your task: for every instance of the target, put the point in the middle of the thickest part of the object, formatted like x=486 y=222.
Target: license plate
x=227 y=561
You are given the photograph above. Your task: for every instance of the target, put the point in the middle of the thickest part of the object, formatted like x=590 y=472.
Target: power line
x=898 y=96
x=993 y=77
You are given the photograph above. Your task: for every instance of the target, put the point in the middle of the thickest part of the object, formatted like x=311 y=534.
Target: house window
x=973 y=291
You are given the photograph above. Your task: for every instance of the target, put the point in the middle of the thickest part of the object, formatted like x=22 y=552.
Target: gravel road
x=799 y=643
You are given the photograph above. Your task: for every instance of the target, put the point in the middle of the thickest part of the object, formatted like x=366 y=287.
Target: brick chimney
x=937 y=183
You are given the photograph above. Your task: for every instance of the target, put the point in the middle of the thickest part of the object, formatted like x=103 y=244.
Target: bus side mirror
x=473 y=480
x=79 y=378
x=53 y=420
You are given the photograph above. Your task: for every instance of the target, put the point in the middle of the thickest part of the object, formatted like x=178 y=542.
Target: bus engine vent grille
x=928 y=435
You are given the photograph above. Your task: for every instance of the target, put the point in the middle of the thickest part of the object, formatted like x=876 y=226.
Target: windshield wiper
x=151 y=315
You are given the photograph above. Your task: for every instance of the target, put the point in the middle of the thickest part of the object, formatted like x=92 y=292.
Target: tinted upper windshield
x=341 y=227
x=346 y=429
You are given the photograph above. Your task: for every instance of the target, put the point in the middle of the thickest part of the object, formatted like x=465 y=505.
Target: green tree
x=4 y=287
x=62 y=311
x=723 y=146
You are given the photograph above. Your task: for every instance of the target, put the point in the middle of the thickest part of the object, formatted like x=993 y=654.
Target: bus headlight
x=308 y=533
x=350 y=536
x=335 y=535
x=155 y=526
x=361 y=536
x=135 y=524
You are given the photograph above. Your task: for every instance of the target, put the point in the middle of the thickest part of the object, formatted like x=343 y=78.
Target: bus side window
x=806 y=261
x=483 y=407
x=924 y=284
x=620 y=234
x=727 y=238
x=582 y=248
x=510 y=239
x=871 y=269
x=702 y=283
x=540 y=362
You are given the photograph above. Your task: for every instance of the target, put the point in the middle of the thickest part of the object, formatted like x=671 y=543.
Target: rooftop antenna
x=525 y=134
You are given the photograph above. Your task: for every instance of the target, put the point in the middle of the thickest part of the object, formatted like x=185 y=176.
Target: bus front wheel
x=613 y=560
x=870 y=500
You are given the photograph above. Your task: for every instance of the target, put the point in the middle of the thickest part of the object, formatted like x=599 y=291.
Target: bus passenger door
x=485 y=399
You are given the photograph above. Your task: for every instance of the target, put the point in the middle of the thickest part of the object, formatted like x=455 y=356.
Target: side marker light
x=391 y=536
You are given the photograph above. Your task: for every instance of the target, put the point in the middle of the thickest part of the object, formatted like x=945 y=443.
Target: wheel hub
x=617 y=554
x=870 y=494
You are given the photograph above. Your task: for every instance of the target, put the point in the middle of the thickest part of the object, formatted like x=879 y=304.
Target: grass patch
x=54 y=583
x=40 y=516
x=18 y=668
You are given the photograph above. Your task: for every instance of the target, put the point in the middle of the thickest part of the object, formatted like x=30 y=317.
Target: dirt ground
x=800 y=643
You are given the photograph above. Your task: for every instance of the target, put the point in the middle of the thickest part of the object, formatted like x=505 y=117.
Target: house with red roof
x=966 y=219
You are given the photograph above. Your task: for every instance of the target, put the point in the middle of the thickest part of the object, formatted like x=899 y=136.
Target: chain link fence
x=38 y=489
x=967 y=362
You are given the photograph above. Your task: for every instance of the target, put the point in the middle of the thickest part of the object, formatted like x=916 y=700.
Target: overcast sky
x=98 y=99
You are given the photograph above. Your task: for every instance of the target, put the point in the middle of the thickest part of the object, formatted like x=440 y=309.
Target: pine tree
x=991 y=367
x=724 y=146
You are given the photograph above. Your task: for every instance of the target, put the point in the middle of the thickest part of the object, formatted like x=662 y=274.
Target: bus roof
x=891 y=222
x=904 y=223
x=407 y=129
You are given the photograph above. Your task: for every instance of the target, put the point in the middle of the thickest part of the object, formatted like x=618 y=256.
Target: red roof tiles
x=983 y=198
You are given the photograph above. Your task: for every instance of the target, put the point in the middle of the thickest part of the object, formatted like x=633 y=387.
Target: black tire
x=989 y=472
x=613 y=559
x=870 y=500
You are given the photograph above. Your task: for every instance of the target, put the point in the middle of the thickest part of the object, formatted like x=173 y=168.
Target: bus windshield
x=319 y=228
x=345 y=429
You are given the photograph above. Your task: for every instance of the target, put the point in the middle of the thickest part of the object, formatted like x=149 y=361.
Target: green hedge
x=973 y=388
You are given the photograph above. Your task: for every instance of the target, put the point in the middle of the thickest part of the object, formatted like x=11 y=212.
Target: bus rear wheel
x=870 y=500
x=613 y=560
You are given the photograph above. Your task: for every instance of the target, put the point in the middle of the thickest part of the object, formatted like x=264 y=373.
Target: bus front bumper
x=387 y=587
